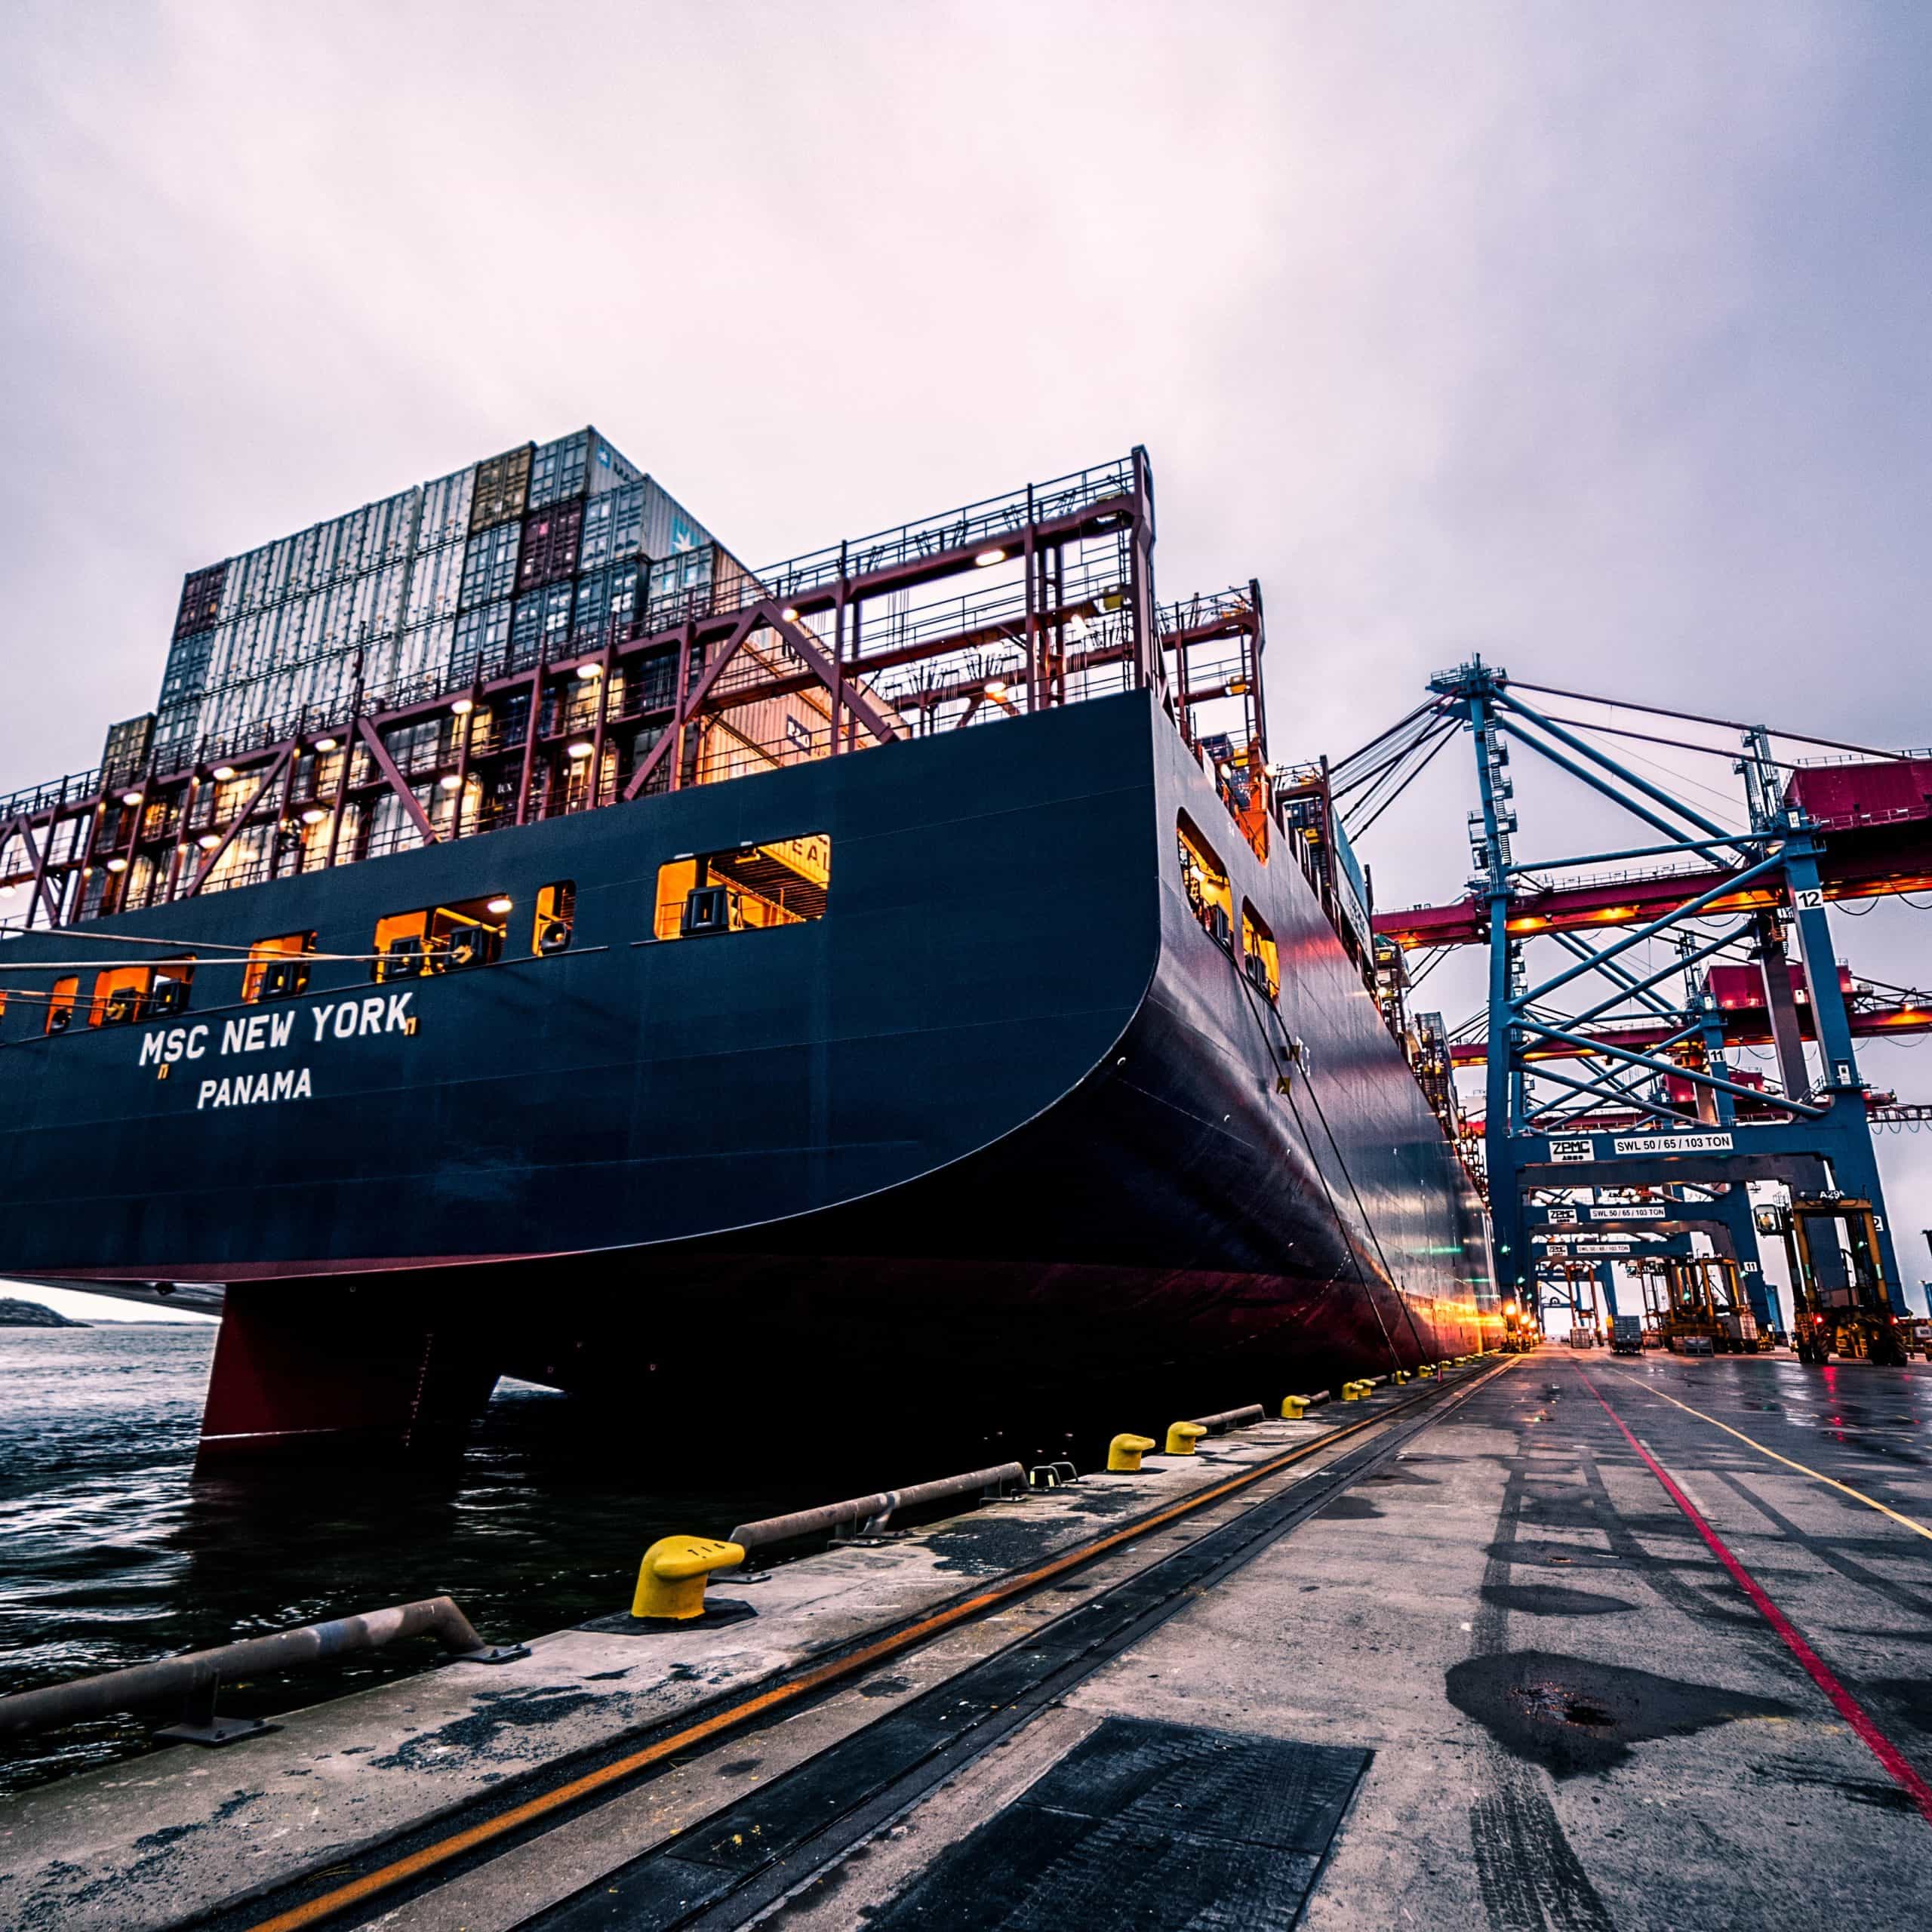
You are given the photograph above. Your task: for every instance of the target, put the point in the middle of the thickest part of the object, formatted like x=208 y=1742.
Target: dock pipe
x=1227 y=1419
x=875 y=1512
x=178 y=1679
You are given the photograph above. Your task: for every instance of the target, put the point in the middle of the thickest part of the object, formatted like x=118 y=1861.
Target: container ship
x=525 y=941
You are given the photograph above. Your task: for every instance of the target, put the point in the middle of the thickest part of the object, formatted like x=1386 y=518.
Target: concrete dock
x=1566 y=1641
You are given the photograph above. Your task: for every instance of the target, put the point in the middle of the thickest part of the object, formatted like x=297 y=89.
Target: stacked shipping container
x=538 y=552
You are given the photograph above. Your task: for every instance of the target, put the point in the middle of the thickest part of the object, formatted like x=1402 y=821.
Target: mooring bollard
x=1293 y=1407
x=1125 y=1452
x=1182 y=1436
x=671 y=1579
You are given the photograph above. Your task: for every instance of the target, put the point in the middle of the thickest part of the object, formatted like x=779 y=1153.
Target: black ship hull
x=1005 y=1125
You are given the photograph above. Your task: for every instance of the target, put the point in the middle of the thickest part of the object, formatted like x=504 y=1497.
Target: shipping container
x=201 y=600
x=607 y=605
x=696 y=583
x=468 y=574
x=482 y=641
x=124 y=759
x=435 y=584
x=501 y=489
x=489 y=564
x=389 y=529
x=177 y=727
x=669 y=529
x=540 y=625
x=186 y=673
x=260 y=579
x=445 y=512
x=549 y=546
x=581 y=464
x=613 y=527
x=424 y=654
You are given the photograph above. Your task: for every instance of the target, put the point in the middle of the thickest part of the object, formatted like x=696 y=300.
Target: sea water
x=113 y=1551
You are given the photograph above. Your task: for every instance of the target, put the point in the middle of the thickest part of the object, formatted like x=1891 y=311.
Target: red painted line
x=1848 y=1707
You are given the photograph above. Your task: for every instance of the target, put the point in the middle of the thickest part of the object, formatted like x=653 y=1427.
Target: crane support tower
x=1608 y=1078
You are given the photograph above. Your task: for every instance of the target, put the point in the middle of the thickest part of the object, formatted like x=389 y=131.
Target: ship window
x=169 y=992
x=120 y=995
x=60 y=1004
x=784 y=883
x=276 y=969
x=1261 y=958
x=441 y=938
x=556 y=917
x=1204 y=880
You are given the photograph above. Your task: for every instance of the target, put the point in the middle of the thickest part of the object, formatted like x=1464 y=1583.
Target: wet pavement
x=1572 y=1644
x=1576 y=1715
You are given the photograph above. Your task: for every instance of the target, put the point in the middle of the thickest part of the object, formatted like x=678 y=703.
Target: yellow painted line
x=1830 y=1482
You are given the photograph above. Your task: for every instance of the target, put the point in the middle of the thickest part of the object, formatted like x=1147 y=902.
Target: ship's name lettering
x=261 y=1032
x=248 y=1090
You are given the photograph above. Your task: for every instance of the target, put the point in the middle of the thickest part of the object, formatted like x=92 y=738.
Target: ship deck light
x=325 y=744
x=208 y=841
x=499 y=905
x=117 y=865
x=464 y=706
x=314 y=815
x=223 y=774
x=589 y=671
x=582 y=749
x=131 y=797
x=450 y=782
x=996 y=687
x=987 y=557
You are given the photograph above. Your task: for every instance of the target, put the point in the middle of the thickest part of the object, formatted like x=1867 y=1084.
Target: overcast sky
x=1591 y=337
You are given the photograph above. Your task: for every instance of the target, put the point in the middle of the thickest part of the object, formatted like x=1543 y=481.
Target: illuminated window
x=1204 y=879
x=1261 y=958
x=442 y=938
x=556 y=917
x=784 y=883
x=60 y=1004
x=120 y=995
x=276 y=969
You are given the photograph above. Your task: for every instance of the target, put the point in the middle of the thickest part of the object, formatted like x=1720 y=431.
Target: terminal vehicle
x=1520 y=1331
x=1838 y=1293
x=1697 y=1306
x=1626 y=1334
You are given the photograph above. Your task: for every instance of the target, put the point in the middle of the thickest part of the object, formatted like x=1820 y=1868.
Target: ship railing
x=982 y=523
x=1093 y=614
x=77 y=788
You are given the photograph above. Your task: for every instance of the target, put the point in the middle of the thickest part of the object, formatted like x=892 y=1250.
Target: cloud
x=1588 y=337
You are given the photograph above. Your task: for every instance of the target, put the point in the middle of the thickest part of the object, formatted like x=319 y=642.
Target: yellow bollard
x=1402 y=1375
x=670 y=1580
x=1352 y=1391
x=1293 y=1407
x=1125 y=1452
x=1182 y=1436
